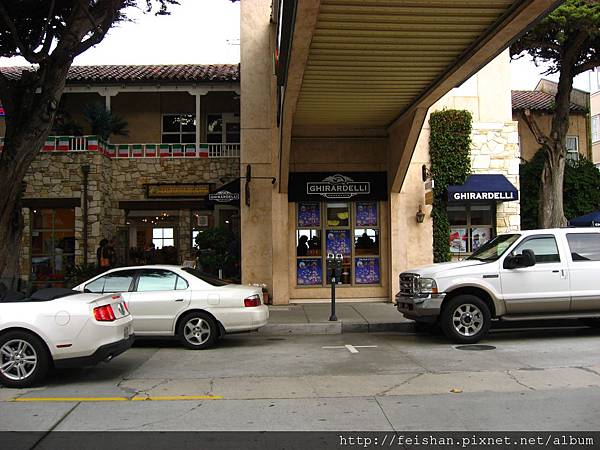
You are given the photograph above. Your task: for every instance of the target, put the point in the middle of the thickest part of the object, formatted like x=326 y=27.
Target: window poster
x=309 y=272
x=458 y=240
x=338 y=241
x=480 y=236
x=366 y=214
x=367 y=270
x=309 y=215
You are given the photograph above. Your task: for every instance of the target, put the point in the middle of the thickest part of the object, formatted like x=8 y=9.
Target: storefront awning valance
x=588 y=220
x=483 y=187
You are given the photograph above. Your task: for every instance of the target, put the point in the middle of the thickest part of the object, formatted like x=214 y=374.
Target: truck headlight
x=427 y=286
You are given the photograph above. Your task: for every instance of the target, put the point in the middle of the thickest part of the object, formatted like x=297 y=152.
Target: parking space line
x=117 y=399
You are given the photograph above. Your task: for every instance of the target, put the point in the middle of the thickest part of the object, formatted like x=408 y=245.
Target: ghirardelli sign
x=224 y=196
x=338 y=186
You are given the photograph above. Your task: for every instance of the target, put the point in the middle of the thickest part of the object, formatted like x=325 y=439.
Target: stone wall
x=495 y=149
x=54 y=175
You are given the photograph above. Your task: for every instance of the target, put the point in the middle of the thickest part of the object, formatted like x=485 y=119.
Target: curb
x=335 y=328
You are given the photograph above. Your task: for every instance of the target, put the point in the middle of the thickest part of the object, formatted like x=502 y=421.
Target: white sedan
x=173 y=301
x=61 y=328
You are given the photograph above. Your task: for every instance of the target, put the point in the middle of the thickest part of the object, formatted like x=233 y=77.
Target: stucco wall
x=595 y=110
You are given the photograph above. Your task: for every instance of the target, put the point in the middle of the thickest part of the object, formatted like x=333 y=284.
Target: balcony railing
x=78 y=144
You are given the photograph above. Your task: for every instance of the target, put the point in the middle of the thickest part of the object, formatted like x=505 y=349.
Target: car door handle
x=179 y=300
x=555 y=271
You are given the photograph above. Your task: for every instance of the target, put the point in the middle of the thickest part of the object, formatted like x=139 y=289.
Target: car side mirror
x=528 y=258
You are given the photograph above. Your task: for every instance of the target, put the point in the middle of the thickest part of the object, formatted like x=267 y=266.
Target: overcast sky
x=206 y=32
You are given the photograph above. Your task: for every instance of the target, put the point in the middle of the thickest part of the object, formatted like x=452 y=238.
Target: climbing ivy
x=449 y=152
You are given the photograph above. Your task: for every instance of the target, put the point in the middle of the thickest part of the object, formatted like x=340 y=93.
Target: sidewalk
x=313 y=318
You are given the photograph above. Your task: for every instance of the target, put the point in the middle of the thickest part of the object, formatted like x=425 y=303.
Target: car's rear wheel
x=24 y=360
x=465 y=319
x=198 y=330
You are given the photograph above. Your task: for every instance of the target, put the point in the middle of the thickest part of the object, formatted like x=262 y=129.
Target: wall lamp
x=420 y=215
x=249 y=178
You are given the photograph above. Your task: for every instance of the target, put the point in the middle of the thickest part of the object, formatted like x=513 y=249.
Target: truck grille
x=408 y=283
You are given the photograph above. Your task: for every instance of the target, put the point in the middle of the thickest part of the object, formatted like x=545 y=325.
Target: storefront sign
x=224 y=196
x=483 y=187
x=337 y=186
x=492 y=196
x=176 y=190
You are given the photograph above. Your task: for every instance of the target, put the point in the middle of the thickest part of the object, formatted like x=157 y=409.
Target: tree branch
x=589 y=65
x=535 y=129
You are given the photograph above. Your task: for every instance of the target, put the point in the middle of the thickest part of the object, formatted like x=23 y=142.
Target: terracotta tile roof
x=147 y=73
x=539 y=101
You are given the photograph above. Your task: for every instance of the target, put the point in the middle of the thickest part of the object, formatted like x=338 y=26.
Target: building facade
x=539 y=103
x=174 y=175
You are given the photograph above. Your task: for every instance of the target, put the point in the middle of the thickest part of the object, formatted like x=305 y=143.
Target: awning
x=227 y=194
x=483 y=188
x=588 y=220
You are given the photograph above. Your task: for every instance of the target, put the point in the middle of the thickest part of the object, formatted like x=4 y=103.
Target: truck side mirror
x=526 y=259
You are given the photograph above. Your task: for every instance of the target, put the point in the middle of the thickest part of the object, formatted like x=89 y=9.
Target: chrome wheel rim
x=196 y=331
x=467 y=320
x=18 y=359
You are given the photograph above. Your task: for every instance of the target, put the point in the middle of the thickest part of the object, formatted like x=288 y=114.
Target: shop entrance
x=153 y=237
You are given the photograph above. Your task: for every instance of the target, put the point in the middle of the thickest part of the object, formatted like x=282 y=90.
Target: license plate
x=126 y=332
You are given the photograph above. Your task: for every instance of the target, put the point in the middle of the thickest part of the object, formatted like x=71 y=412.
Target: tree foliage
x=49 y=34
x=104 y=123
x=581 y=189
x=449 y=151
x=568 y=40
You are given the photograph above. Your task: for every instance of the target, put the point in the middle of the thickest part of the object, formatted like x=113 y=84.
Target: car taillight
x=104 y=313
x=253 y=300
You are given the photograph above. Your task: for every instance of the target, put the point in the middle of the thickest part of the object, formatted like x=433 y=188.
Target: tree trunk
x=551 y=211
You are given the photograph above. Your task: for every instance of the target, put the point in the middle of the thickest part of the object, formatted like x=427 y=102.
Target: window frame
x=351 y=228
x=180 y=133
x=469 y=226
x=572 y=155
x=537 y=237
x=595 y=130
x=571 y=253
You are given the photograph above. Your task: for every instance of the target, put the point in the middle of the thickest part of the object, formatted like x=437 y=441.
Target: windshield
x=205 y=277
x=494 y=249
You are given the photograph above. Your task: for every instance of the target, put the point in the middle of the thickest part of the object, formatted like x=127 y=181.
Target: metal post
x=332 y=278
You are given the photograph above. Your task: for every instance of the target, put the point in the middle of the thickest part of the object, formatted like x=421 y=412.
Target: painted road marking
x=117 y=399
x=351 y=348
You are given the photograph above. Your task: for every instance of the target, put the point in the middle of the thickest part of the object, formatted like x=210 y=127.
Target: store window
x=163 y=237
x=52 y=244
x=178 y=129
x=348 y=230
x=470 y=226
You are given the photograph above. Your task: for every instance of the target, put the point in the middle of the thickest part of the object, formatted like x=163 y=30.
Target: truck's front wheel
x=466 y=319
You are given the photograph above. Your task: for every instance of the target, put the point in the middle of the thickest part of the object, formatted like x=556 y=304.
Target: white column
x=198 y=93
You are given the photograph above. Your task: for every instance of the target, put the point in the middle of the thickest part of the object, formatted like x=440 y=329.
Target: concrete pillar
x=259 y=137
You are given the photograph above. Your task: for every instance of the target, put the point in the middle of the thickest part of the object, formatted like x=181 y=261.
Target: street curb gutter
x=335 y=328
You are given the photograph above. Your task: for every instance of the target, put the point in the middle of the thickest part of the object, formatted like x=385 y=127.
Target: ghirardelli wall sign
x=338 y=186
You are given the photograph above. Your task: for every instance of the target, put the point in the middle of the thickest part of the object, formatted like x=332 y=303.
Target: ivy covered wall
x=449 y=151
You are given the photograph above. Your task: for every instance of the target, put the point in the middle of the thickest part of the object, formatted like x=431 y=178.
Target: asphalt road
x=545 y=379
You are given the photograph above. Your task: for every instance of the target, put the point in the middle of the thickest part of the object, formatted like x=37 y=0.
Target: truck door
x=584 y=270
x=541 y=288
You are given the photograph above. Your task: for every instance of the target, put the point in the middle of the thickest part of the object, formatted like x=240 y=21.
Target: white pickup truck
x=526 y=275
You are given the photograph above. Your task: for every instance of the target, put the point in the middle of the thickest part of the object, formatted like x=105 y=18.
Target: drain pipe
x=85 y=169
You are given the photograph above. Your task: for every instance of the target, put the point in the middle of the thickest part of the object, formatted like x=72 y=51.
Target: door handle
x=555 y=271
x=179 y=300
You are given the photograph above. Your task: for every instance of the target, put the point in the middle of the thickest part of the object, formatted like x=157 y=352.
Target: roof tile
x=144 y=73
x=539 y=101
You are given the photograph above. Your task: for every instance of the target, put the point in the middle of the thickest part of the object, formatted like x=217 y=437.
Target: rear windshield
x=205 y=277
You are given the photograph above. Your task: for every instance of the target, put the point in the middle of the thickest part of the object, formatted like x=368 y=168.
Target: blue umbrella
x=588 y=220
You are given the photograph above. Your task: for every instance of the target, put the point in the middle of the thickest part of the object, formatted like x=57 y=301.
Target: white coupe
x=61 y=328
x=173 y=301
